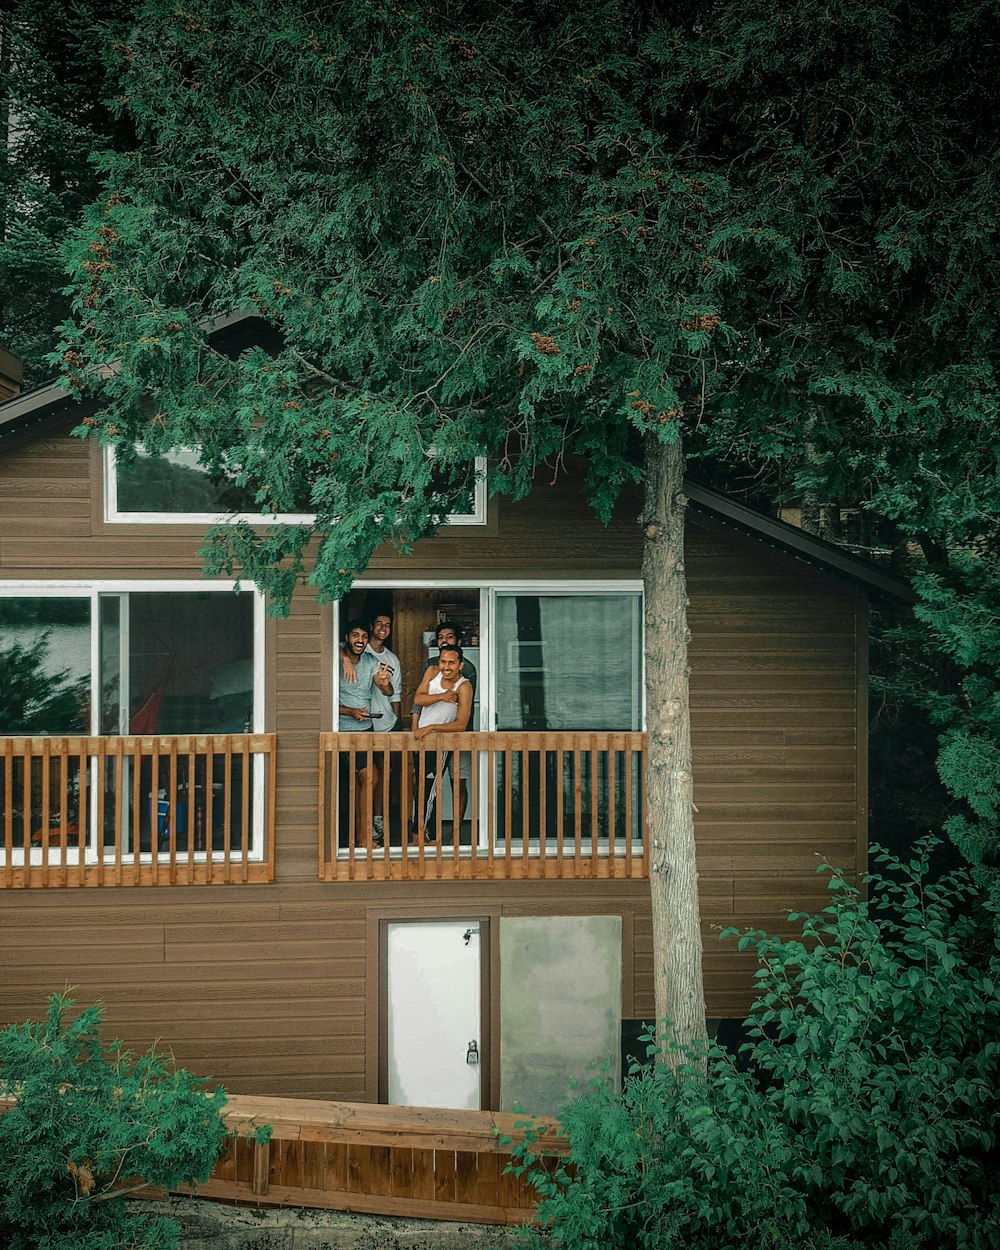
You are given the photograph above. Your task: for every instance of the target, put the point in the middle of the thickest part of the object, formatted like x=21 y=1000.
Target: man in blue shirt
x=361 y=676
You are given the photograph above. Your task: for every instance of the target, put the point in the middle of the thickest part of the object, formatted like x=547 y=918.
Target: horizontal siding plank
x=59 y=488
x=75 y=909
x=348 y=956
x=207 y=1009
x=51 y=526
x=296 y=682
x=19 y=514
x=776 y=859
x=816 y=833
x=75 y=938
x=330 y=931
x=221 y=1068
x=809 y=703
x=271 y=1034
x=26 y=962
x=306 y=661
x=800 y=609
x=738 y=664
x=805 y=685
x=769 y=629
x=164 y=981
x=747 y=716
x=790 y=757
x=739 y=811
x=813 y=776
x=350 y=1048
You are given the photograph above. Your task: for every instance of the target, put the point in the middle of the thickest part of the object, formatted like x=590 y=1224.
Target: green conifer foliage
x=89 y=1123
x=54 y=117
x=862 y=1112
x=547 y=231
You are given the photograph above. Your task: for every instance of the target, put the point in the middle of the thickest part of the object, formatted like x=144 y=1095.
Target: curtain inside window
x=570 y=662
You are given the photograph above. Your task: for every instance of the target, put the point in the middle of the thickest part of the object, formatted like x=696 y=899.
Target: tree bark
x=678 y=987
x=809 y=509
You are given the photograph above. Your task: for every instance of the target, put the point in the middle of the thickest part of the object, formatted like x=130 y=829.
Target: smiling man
x=363 y=677
x=444 y=700
x=389 y=707
x=449 y=634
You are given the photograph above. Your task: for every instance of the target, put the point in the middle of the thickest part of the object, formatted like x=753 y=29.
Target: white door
x=434 y=1014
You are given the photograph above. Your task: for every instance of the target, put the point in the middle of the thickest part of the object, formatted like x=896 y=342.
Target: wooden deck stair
x=415 y=1162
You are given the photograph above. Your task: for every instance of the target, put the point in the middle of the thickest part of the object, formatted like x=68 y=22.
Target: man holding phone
x=362 y=676
x=388 y=706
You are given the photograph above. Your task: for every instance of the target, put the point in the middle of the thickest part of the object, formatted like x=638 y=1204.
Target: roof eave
x=797 y=542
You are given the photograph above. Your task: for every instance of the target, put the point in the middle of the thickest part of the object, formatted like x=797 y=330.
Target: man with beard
x=362 y=676
x=443 y=705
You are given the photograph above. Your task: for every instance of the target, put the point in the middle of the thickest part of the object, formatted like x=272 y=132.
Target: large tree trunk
x=678 y=988
x=809 y=509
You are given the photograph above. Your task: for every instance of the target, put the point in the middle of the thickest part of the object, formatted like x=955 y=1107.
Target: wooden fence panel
x=417 y=1162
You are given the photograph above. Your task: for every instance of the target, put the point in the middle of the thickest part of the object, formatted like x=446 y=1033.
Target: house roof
x=796 y=542
x=231 y=334
x=237 y=331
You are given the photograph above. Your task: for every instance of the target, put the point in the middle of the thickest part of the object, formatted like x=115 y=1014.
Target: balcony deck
x=200 y=809
x=540 y=806
x=97 y=811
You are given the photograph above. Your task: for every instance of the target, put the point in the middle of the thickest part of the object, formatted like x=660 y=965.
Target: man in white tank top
x=444 y=698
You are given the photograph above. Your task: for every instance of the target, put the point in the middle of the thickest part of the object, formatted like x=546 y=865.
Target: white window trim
x=92 y=589
x=113 y=515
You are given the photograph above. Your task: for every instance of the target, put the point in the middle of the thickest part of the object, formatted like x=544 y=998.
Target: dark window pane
x=190 y=662
x=177 y=482
x=455 y=489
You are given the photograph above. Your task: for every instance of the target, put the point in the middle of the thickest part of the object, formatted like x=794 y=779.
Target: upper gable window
x=176 y=489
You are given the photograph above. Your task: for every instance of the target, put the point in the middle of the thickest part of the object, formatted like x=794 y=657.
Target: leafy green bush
x=862 y=1112
x=87 y=1122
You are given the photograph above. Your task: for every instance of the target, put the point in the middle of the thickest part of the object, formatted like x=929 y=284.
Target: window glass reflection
x=44 y=665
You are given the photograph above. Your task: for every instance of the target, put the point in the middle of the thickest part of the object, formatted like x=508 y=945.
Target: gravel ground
x=216 y=1226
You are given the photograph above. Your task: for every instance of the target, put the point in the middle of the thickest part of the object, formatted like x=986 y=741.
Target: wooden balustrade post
x=261 y=1168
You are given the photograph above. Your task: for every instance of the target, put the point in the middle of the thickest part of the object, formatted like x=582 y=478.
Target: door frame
x=378 y=920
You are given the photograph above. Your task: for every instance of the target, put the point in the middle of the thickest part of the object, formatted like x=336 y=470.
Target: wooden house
x=175 y=836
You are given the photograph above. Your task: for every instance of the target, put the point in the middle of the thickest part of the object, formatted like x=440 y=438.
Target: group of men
x=371 y=686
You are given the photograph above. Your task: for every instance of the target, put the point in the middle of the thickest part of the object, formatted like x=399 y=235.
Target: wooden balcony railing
x=181 y=810
x=535 y=805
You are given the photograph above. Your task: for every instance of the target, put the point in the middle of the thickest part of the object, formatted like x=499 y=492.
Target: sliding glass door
x=565 y=664
x=113 y=660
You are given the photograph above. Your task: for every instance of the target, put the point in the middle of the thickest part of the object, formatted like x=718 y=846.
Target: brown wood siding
x=267 y=988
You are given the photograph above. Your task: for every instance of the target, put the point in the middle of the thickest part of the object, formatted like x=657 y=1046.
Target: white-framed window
x=567 y=657
x=175 y=489
x=136 y=658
